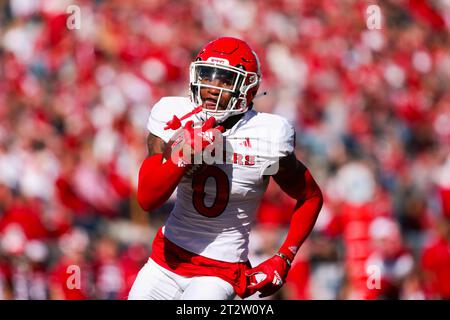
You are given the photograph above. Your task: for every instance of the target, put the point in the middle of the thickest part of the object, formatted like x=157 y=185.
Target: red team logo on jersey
x=246 y=143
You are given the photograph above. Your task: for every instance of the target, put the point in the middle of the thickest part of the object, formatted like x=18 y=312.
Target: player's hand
x=275 y=270
x=192 y=141
x=204 y=136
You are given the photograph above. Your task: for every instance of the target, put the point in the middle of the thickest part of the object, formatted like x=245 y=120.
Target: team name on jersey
x=243 y=159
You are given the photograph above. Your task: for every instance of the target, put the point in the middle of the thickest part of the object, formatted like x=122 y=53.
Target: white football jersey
x=215 y=207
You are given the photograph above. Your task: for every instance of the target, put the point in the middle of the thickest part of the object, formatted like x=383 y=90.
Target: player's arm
x=155 y=144
x=295 y=180
x=158 y=178
x=163 y=169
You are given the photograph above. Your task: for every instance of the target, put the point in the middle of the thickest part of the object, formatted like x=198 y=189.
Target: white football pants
x=154 y=282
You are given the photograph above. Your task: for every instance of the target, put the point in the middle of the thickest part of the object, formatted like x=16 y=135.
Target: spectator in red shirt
x=71 y=278
x=436 y=262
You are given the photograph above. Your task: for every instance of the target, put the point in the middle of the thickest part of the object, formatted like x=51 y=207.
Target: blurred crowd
x=371 y=108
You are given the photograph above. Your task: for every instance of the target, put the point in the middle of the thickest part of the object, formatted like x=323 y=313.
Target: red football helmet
x=228 y=65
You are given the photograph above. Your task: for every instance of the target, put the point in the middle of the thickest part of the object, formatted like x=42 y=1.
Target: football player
x=201 y=251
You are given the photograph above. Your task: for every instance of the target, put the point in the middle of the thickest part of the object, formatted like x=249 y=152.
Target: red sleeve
x=157 y=181
x=309 y=202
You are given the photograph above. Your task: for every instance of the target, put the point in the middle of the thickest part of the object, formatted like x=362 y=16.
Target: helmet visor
x=217 y=77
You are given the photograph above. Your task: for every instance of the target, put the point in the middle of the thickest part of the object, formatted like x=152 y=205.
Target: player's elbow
x=147 y=199
x=148 y=186
x=149 y=205
x=313 y=191
x=314 y=196
x=318 y=196
x=144 y=202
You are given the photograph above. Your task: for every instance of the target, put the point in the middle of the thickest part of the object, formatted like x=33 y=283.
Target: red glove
x=190 y=141
x=157 y=178
x=275 y=269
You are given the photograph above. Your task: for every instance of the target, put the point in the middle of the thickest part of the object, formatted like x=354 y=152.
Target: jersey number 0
x=222 y=191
